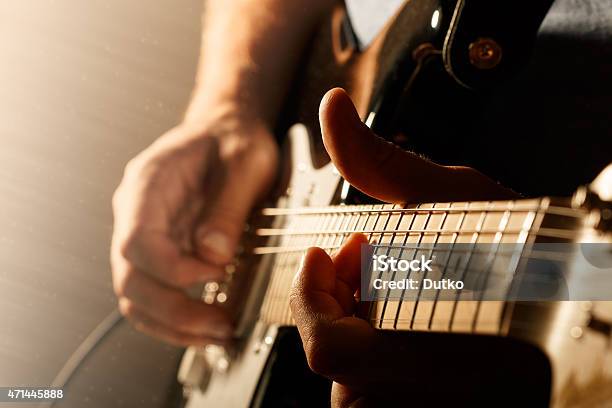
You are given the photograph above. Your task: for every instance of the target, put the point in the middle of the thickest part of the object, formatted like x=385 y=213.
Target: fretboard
x=513 y=222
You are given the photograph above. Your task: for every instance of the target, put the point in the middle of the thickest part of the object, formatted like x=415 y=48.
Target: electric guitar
x=317 y=208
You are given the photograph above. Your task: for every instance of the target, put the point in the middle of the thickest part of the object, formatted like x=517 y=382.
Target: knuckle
x=176 y=310
x=129 y=244
x=182 y=280
x=183 y=322
x=116 y=199
x=319 y=357
x=123 y=282
x=127 y=309
x=132 y=166
x=188 y=324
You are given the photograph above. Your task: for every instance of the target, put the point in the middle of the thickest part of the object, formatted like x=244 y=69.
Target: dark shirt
x=549 y=131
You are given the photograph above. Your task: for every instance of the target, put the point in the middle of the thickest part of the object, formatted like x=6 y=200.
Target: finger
x=385 y=171
x=347 y=261
x=218 y=235
x=323 y=284
x=342 y=396
x=321 y=320
x=170 y=306
x=148 y=324
x=221 y=227
x=346 y=397
x=156 y=254
x=147 y=207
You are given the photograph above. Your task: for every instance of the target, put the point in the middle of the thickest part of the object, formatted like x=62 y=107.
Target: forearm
x=250 y=49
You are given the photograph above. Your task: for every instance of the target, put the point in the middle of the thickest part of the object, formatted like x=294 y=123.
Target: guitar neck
x=507 y=222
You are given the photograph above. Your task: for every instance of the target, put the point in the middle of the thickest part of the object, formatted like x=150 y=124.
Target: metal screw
x=485 y=53
x=576 y=332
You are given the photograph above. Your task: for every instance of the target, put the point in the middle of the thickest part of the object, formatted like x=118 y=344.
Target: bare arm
x=181 y=206
x=253 y=46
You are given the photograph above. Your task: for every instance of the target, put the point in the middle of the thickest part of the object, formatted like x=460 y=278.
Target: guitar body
x=572 y=359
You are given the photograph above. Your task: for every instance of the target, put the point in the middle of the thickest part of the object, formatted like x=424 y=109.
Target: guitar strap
x=498 y=36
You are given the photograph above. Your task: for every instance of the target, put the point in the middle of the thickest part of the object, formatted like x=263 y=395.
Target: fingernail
x=218 y=243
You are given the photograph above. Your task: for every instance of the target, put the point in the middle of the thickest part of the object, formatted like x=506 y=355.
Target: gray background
x=84 y=86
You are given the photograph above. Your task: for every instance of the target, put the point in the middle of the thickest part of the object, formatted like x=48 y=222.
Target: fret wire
x=399 y=222
x=416 y=303
x=475 y=238
x=318 y=240
x=284 y=272
x=268 y=298
x=282 y=284
x=328 y=222
x=505 y=219
x=271 y=297
x=359 y=215
x=399 y=304
x=356 y=224
x=444 y=270
x=276 y=288
x=507 y=306
x=512 y=267
x=282 y=288
x=341 y=238
x=338 y=240
x=370 y=264
x=312 y=241
x=553 y=209
x=279 y=287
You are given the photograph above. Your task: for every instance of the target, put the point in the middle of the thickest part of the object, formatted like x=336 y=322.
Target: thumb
x=232 y=189
x=218 y=235
x=320 y=301
x=389 y=173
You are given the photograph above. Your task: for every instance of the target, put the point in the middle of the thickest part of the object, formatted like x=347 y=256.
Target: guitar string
x=351 y=211
x=470 y=207
x=552 y=232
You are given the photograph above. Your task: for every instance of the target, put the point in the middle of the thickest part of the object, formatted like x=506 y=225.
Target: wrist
x=224 y=118
x=238 y=132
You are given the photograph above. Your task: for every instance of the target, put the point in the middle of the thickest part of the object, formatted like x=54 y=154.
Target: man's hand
x=372 y=368
x=179 y=213
x=369 y=367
